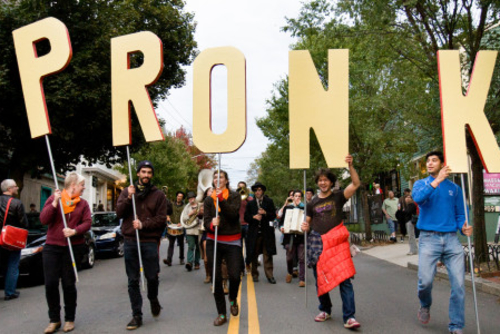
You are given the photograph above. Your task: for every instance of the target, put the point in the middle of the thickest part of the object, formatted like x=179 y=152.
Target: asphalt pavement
x=386 y=302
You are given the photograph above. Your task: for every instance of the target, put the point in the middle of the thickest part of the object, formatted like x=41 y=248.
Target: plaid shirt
x=314 y=247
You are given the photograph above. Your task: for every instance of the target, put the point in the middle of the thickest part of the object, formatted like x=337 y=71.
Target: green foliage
x=173 y=164
x=79 y=98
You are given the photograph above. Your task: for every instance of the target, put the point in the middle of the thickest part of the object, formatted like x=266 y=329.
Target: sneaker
x=220 y=320
x=12 y=296
x=189 y=266
x=135 y=323
x=424 y=315
x=155 y=307
x=288 y=278
x=322 y=317
x=457 y=331
x=351 y=323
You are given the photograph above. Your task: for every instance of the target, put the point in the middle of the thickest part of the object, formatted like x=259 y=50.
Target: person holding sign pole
x=328 y=236
x=293 y=239
x=57 y=263
x=151 y=206
x=228 y=239
x=441 y=214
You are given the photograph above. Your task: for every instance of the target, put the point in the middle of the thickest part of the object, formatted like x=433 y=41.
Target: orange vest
x=335 y=262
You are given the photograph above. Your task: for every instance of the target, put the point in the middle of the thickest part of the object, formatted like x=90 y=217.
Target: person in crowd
x=260 y=214
x=11 y=213
x=57 y=263
x=389 y=208
x=328 y=236
x=402 y=207
x=410 y=211
x=294 y=242
x=191 y=223
x=151 y=215
x=203 y=239
x=221 y=211
x=441 y=215
x=245 y=198
x=33 y=208
x=309 y=195
x=175 y=232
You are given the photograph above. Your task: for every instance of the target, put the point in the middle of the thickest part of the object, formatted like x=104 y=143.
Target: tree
x=79 y=98
x=173 y=164
x=435 y=25
x=202 y=160
x=381 y=101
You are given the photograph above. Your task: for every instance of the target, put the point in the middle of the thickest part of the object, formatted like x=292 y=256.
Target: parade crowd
x=238 y=226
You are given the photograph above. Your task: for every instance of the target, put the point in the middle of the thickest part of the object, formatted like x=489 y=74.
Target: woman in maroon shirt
x=57 y=264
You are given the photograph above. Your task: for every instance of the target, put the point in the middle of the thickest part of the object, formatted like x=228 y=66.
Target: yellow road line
x=234 y=322
x=253 y=314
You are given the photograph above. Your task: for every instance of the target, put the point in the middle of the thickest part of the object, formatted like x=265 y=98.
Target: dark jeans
x=293 y=252
x=233 y=257
x=57 y=267
x=347 y=295
x=9 y=262
x=171 y=244
x=150 y=262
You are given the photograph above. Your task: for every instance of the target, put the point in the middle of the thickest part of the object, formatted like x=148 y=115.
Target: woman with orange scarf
x=228 y=242
x=57 y=264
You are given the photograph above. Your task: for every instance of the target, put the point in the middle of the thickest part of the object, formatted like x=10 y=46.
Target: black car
x=107 y=228
x=31 y=264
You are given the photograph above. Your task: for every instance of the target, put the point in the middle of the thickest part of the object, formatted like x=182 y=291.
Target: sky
x=254 y=28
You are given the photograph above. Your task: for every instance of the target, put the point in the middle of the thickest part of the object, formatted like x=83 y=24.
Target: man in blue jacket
x=441 y=215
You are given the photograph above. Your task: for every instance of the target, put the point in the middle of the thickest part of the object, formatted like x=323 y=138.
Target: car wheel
x=120 y=251
x=90 y=257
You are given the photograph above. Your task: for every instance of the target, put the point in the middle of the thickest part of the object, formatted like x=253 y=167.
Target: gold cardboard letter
x=130 y=85
x=458 y=111
x=235 y=134
x=32 y=69
x=327 y=112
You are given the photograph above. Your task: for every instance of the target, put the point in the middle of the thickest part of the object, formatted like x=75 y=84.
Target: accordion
x=293 y=219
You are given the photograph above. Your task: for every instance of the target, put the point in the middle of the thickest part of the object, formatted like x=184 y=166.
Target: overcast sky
x=253 y=27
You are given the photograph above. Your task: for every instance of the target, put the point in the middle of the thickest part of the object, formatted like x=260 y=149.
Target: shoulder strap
x=6 y=212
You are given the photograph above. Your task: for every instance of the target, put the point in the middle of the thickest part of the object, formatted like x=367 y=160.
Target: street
x=386 y=302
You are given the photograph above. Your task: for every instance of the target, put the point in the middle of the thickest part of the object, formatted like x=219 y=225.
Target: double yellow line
x=253 y=315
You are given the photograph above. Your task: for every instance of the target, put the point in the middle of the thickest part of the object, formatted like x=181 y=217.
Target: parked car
x=107 y=228
x=31 y=264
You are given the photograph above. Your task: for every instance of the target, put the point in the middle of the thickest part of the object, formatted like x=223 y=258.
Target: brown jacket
x=151 y=211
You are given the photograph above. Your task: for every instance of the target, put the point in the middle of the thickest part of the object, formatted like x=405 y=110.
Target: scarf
x=141 y=191
x=225 y=195
x=69 y=203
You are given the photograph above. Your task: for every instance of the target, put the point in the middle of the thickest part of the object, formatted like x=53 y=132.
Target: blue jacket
x=442 y=208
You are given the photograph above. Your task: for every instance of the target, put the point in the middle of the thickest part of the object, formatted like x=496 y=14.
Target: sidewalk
x=396 y=253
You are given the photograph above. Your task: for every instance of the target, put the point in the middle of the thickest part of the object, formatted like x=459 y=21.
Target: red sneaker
x=322 y=317
x=351 y=323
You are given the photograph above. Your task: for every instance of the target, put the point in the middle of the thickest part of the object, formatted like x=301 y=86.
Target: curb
x=481 y=284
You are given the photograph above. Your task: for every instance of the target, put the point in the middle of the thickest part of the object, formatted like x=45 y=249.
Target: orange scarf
x=225 y=195
x=68 y=203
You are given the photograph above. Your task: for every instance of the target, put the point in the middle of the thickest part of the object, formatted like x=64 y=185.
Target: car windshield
x=106 y=219
x=34 y=224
